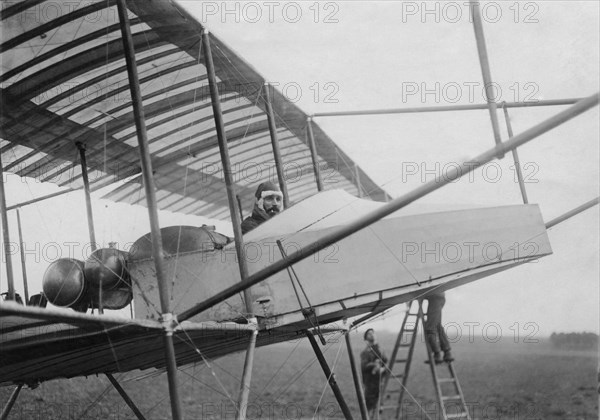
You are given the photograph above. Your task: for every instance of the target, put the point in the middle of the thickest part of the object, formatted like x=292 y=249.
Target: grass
x=516 y=381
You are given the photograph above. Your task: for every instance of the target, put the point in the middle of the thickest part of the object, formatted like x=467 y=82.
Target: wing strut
x=6 y=236
x=88 y=198
x=573 y=212
x=275 y=144
x=447 y=108
x=329 y=375
x=22 y=254
x=10 y=402
x=515 y=156
x=38 y=199
x=486 y=73
x=157 y=247
x=90 y=214
x=360 y=394
x=396 y=204
x=235 y=218
x=125 y=397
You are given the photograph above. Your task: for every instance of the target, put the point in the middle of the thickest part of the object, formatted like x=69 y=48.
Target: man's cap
x=266 y=186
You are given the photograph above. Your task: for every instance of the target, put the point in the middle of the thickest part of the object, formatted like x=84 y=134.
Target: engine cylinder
x=107 y=268
x=64 y=282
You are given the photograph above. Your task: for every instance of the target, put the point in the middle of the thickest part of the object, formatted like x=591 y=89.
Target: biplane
x=173 y=100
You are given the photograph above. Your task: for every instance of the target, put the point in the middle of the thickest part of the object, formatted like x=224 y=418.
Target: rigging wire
x=195 y=379
x=230 y=65
x=197 y=350
x=97 y=400
x=304 y=369
x=261 y=393
x=328 y=379
x=185 y=180
x=190 y=342
x=163 y=399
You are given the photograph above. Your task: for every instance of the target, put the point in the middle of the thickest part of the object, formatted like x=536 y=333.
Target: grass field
x=504 y=380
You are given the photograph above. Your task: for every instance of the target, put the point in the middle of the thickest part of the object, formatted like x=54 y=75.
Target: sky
x=356 y=55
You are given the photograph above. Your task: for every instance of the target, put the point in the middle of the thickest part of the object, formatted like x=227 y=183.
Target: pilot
x=372 y=364
x=269 y=203
x=434 y=330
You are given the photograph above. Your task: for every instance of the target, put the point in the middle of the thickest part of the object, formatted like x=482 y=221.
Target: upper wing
x=64 y=81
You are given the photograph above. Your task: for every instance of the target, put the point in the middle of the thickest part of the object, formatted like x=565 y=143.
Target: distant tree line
x=574 y=341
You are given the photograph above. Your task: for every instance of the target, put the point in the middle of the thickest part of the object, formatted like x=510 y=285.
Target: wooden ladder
x=448 y=391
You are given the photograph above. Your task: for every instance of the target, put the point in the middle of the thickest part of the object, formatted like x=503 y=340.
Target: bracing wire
x=328 y=379
x=303 y=370
x=208 y=365
x=97 y=400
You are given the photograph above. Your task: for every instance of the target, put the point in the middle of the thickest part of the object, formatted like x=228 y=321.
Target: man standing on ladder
x=372 y=363
x=434 y=330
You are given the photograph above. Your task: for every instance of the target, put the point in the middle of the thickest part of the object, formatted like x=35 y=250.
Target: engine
x=101 y=281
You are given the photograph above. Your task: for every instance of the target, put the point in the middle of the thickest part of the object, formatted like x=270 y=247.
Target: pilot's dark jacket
x=258 y=216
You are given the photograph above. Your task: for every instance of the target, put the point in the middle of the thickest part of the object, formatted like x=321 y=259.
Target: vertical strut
x=10 y=402
x=485 y=71
x=515 y=156
x=225 y=160
x=88 y=199
x=22 y=253
x=332 y=382
x=360 y=395
x=90 y=214
x=275 y=144
x=6 y=236
x=234 y=213
x=239 y=203
x=125 y=397
x=313 y=154
x=246 y=377
x=149 y=187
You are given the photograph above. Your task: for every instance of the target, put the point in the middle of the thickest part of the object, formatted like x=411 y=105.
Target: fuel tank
x=107 y=268
x=64 y=282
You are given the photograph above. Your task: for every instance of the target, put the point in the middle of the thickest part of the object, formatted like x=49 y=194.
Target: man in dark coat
x=434 y=330
x=269 y=202
x=372 y=363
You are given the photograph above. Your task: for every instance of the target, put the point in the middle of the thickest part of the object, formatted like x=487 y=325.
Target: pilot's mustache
x=273 y=209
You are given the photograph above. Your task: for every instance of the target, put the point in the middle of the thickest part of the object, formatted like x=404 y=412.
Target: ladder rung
x=401 y=360
x=451 y=397
x=457 y=415
x=392 y=391
x=404 y=345
x=445 y=380
x=409 y=330
x=398 y=376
